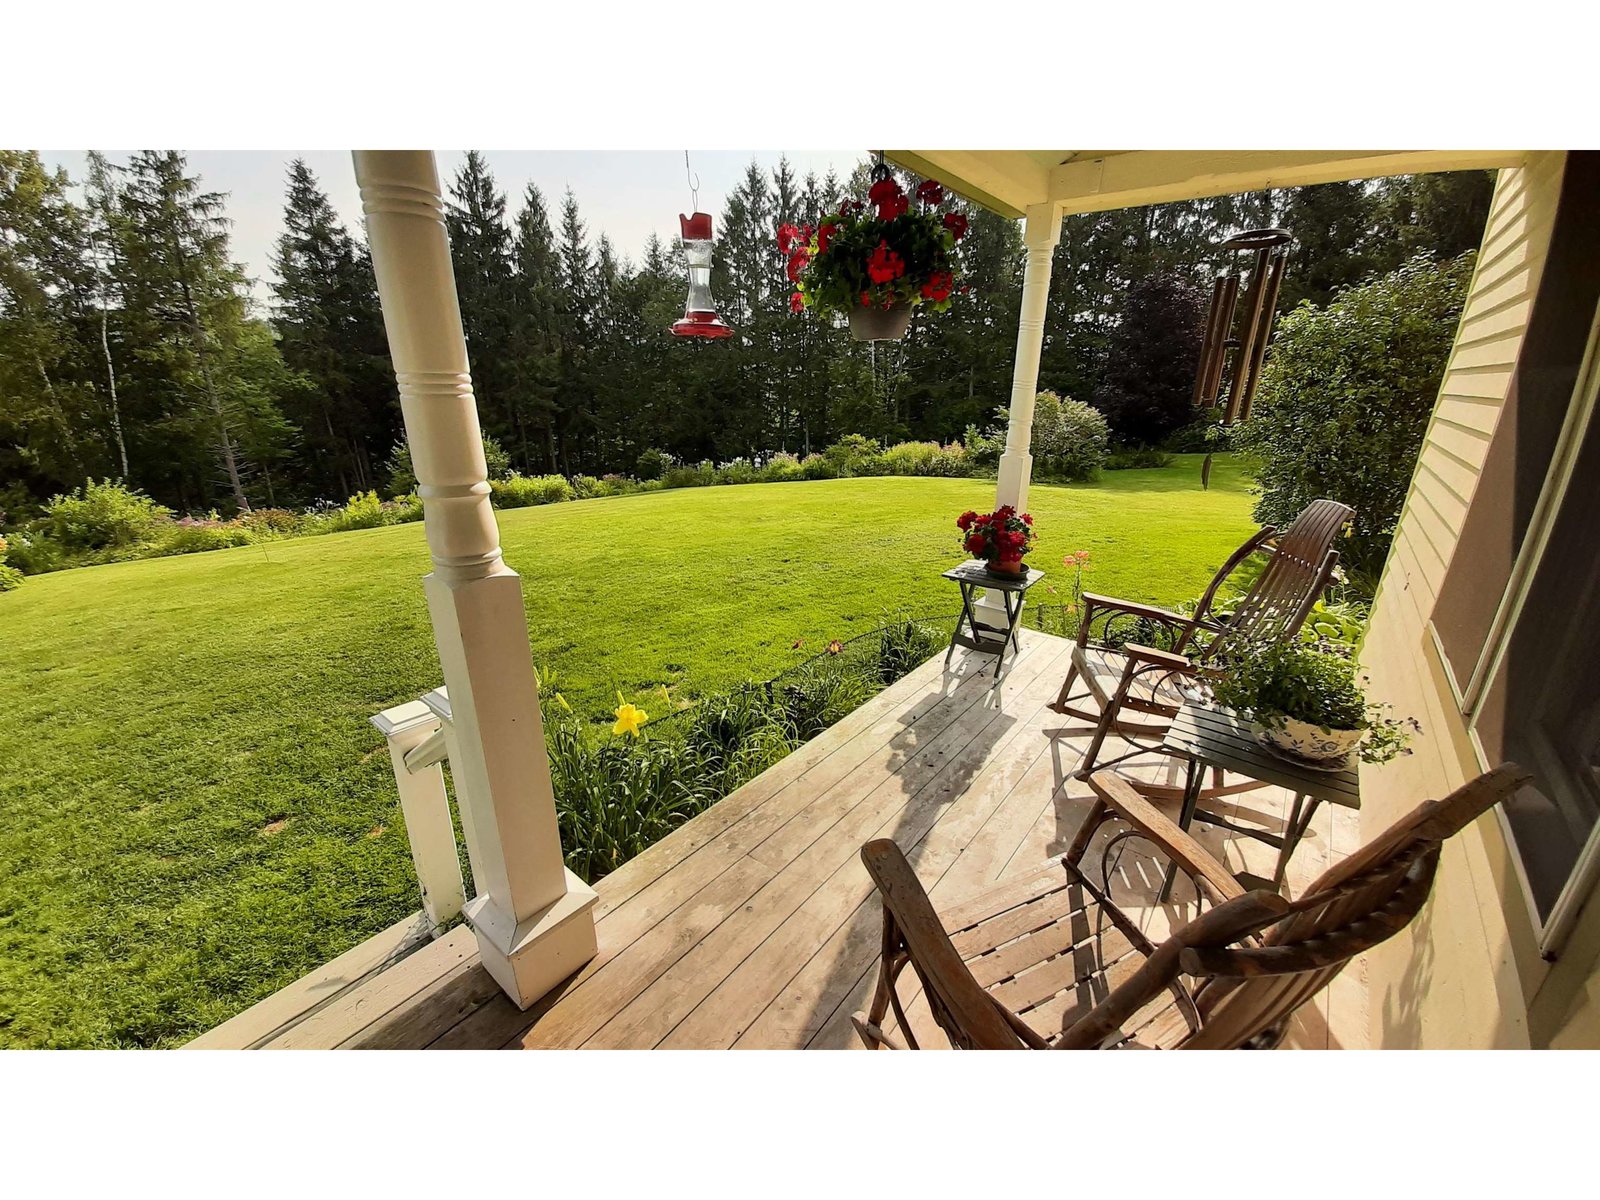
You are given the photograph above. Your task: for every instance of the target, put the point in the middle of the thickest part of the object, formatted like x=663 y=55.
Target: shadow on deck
x=755 y=925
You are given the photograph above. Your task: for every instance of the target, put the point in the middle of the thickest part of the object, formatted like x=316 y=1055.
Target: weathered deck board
x=755 y=925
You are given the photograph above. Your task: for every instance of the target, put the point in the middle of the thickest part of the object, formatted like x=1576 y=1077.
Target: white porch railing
x=419 y=737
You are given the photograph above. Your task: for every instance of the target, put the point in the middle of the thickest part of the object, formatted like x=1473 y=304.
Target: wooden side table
x=977 y=635
x=1214 y=737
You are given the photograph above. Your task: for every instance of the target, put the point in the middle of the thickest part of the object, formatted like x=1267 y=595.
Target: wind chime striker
x=700 y=318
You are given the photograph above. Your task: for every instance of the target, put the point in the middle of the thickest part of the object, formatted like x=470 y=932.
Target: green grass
x=194 y=810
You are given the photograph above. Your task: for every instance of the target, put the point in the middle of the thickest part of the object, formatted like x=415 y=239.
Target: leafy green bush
x=653 y=463
x=196 y=537
x=1069 y=437
x=851 y=453
x=586 y=487
x=926 y=459
x=99 y=516
x=740 y=470
x=33 y=554
x=364 y=510
x=817 y=697
x=403 y=476
x=985 y=446
x=702 y=474
x=10 y=577
x=1345 y=399
x=1137 y=458
x=525 y=491
x=264 y=523
x=817 y=466
x=782 y=468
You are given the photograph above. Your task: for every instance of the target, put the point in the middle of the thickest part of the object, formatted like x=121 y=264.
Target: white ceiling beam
x=1160 y=176
x=1004 y=181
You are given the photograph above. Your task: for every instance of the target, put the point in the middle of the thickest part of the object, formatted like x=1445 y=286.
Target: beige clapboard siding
x=1456 y=978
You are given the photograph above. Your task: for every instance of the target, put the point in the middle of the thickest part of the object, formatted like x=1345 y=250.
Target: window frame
x=1575 y=429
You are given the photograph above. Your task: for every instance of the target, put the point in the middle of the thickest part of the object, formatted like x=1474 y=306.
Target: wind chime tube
x=1269 y=306
x=1219 y=361
x=1208 y=347
x=1247 y=337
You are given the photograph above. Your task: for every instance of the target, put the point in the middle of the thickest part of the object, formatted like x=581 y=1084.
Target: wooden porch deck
x=755 y=925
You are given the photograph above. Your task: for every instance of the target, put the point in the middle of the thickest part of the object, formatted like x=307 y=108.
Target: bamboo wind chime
x=1236 y=336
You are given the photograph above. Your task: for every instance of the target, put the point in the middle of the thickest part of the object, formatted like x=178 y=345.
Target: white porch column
x=1041 y=231
x=531 y=916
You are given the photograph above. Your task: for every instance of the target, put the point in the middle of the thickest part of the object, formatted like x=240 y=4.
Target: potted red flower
x=1000 y=538
x=874 y=262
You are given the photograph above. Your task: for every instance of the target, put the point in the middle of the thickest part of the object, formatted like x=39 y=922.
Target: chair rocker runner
x=1048 y=961
x=1133 y=690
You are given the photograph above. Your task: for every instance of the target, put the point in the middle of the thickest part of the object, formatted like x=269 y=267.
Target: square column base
x=529 y=958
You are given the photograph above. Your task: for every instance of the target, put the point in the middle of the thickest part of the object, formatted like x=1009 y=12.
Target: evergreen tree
x=535 y=368
x=331 y=335
x=185 y=303
x=480 y=249
x=1150 y=360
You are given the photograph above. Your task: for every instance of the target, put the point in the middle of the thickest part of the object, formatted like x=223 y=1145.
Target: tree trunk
x=230 y=458
x=111 y=380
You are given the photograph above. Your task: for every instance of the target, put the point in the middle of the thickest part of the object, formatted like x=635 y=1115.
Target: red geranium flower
x=787 y=236
x=885 y=265
x=930 y=191
x=866 y=299
x=824 y=236
x=1027 y=518
x=938 y=286
x=797 y=303
x=883 y=189
x=797 y=263
x=850 y=208
x=956 y=223
x=965 y=520
x=974 y=543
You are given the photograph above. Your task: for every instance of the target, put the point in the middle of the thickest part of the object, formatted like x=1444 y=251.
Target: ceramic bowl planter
x=1306 y=743
x=880 y=324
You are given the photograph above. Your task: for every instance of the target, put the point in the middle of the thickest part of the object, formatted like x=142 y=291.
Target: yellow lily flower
x=629 y=718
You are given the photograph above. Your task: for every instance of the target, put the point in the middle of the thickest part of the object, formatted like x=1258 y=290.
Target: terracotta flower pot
x=1007 y=568
x=880 y=324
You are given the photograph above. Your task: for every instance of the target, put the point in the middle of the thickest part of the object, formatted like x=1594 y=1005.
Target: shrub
x=10 y=577
x=617 y=485
x=818 y=696
x=653 y=463
x=701 y=475
x=816 y=466
x=101 y=515
x=525 y=491
x=1068 y=436
x=1135 y=458
x=196 y=537
x=782 y=468
x=403 y=477
x=985 y=446
x=272 y=523
x=851 y=453
x=1345 y=399
x=740 y=470
x=362 y=511
x=33 y=554
x=586 y=487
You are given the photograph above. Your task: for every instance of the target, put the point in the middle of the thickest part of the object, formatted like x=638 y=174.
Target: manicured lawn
x=194 y=810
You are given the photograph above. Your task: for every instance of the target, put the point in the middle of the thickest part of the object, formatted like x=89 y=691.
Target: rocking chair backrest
x=1249 y=992
x=1299 y=570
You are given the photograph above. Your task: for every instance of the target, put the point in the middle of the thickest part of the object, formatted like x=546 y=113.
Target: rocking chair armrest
x=1190 y=857
x=1150 y=656
x=1093 y=600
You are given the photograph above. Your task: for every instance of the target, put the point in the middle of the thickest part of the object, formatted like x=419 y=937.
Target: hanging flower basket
x=876 y=262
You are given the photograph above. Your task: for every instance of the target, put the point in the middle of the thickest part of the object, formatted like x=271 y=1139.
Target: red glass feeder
x=700 y=318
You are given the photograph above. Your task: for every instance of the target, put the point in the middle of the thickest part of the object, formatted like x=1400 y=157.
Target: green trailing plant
x=1294 y=681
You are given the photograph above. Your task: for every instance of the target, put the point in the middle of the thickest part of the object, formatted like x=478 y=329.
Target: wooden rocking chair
x=1134 y=690
x=1048 y=961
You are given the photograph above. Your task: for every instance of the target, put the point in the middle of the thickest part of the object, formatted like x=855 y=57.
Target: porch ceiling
x=1009 y=181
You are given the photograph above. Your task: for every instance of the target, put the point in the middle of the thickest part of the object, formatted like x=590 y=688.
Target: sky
x=626 y=194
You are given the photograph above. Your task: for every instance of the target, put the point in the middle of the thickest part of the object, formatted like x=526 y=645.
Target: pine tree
x=575 y=272
x=186 y=301
x=480 y=247
x=330 y=328
x=536 y=335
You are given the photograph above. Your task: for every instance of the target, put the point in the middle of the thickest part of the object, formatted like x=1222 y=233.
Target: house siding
x=1467 y=972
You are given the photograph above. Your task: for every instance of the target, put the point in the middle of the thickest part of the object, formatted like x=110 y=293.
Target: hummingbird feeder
x=700 y=318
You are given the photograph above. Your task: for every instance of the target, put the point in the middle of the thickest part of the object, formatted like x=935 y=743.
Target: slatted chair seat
x=1048 y=961
x=1152 y=697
